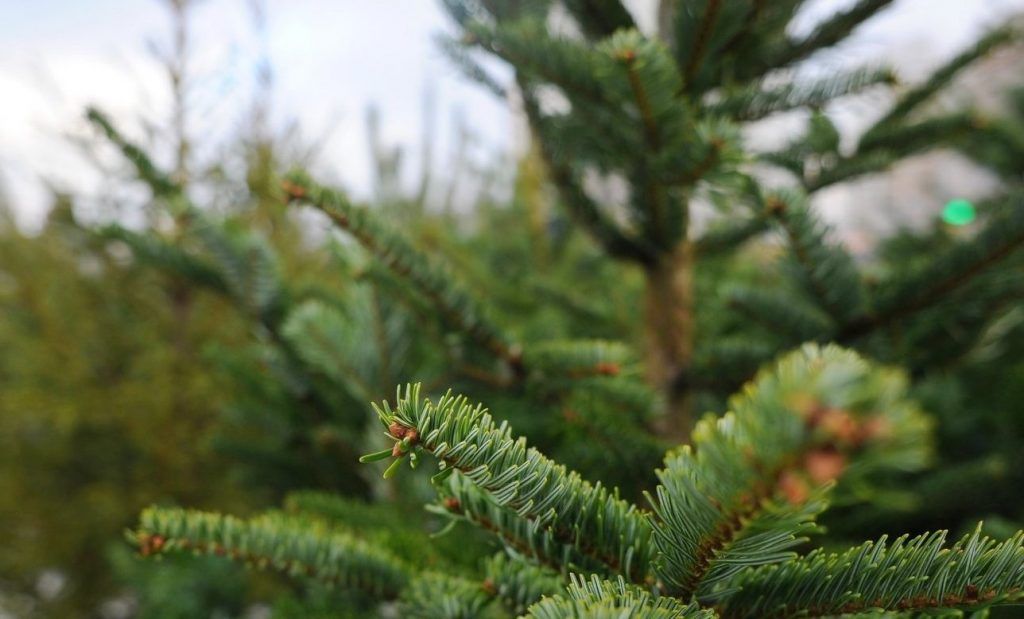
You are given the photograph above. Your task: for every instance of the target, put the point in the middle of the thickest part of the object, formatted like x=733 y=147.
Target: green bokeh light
x=958 y=212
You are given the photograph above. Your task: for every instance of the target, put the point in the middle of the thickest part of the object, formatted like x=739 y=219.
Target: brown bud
x=607 y=369
x=488 y=587
x=396 y=450
x=824 y=465
x=877 y=427
x=793 y=487
x=452 y=504
x=840 y=425
x=805 y=405
x=397 y=430
x=151 y=544
x=971 y=593
x=774 y=206
x=293 y=190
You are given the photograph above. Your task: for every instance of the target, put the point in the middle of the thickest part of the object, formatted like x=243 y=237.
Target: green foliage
x=107 y=405
x=449 y=300
x=757 y=102
x=181 y=586
x=607 y=599
x=596 y=524
x=912 y=99
x=910 y=574
x=519 y=586
x=288 y=337
x=745 y=490
x=731 y=507
x=297 y=547
x=822 y=268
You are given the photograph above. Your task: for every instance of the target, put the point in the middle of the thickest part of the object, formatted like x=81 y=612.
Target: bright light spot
x=958 y=212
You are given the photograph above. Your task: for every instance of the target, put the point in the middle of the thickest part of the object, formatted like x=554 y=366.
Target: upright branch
x=750 y=485
x=456 y=305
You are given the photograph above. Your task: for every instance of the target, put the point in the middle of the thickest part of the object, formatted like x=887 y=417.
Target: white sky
x=331 y=59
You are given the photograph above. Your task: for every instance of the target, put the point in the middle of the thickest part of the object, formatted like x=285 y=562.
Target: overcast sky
x=331 y=59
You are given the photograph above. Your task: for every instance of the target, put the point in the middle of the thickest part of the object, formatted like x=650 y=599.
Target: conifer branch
x=830 y=32
x=590 y=518
x=434 y=595
x=756 y=101
x=643 y=102
x=602 y=599
x=519 y=585
x=600 y=18
x=347 y=512
x=1002 y=237
x=557 y=60
x=580 y=206
x=654 y=194
x=881 y=148
x=748 y=27
x=577 y=358
x=322 y=337
x=998 y=146
x=308 y=548
x=167 y=256
x=711 y=158
x=908 y=575
x=727 y=237
x=458 y=54
x=297 y=548
x=245 y=264
x=728 y=362
x=457 y=306
x=905 y=140
x=913 y=98
x=752 y=482
x=161 y=184
x=461 y=499
x=701 y=39
x=779 y=313
x=824 y=269
x=852 y=167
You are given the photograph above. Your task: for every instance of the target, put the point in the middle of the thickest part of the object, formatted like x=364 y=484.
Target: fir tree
x=719 y=533
x=662 y=113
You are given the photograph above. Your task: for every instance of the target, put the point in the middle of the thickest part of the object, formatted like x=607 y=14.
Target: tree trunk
x=669 y=330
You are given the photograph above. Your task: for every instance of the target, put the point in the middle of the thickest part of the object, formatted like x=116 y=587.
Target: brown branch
x=777 y=208
x=748 y=24
x=654 y=192
x=643 y=102
x=694 y=174
x=581 y=208
x=860 y=327
x=703 y=36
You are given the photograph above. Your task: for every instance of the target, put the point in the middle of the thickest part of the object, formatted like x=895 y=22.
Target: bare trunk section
x=668 y=314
